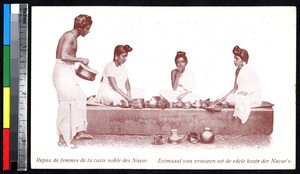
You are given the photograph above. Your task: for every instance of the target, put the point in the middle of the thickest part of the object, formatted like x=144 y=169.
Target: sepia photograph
x=154 y=87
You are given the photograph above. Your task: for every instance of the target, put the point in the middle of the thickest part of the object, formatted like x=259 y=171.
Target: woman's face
x=122 y=58
x=85 y=30
x=238 y=61
x=180 y=63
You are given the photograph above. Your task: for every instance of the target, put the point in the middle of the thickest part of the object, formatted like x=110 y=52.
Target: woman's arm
x=181 y=96
x=232 y=91
x=175 y=75
x=128 y=88
x=224 y=98
x=113 y=83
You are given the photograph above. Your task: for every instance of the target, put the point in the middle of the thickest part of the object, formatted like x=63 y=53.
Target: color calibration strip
x=6 y=86
x=15 y=84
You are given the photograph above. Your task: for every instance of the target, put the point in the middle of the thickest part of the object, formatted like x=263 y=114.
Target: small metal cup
x=158 y=139
x=193 y=137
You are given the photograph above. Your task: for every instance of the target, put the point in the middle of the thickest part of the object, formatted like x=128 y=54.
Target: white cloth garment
x=186 y=83
x=71 y=99
x=248 y=82
x=106 y=95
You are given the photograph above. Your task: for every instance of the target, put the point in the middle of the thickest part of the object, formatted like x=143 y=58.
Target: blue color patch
x=6 y=24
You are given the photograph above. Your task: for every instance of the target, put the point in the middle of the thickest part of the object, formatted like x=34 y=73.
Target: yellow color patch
x=6 y=107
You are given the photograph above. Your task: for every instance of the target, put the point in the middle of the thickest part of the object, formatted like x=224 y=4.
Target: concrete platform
x=147 y=121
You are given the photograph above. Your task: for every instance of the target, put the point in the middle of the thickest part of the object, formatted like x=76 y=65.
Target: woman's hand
x=128 y=98
x=178 y=74
x=217 y=101
x=84 y=61
x=212 y=105
x=181 y=96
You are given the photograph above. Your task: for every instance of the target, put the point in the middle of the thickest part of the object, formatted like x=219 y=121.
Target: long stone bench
x=147 y=121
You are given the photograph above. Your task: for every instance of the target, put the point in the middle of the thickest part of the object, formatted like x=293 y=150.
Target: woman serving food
x=115 y=87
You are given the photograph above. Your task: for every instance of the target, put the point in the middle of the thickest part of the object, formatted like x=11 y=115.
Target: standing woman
x=183 y=83
x=71 y=121
x=115 y=87
x=246 y=92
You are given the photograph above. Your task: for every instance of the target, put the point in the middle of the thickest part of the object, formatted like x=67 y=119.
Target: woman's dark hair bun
x=181 y=53
x=127 y=48
x=242 y=53
x=120 y=49
x=236 y=50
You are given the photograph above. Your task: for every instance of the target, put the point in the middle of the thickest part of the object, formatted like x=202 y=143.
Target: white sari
x=248 y=82
x=186 y=83
x=106 y=95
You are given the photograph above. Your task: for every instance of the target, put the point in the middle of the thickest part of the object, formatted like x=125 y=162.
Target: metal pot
x=193 y=137
x=158 y=140
x=174 y=138
x=207 y=136
x=86 y=72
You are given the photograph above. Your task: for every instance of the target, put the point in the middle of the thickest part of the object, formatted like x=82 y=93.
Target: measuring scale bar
x=23 y=79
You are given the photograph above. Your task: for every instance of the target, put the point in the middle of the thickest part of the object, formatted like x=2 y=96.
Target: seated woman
x=115 y=87
x=246 y=92
x=183 y=83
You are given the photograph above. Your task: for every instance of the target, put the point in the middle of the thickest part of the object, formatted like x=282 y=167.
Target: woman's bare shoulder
x=174 y=71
